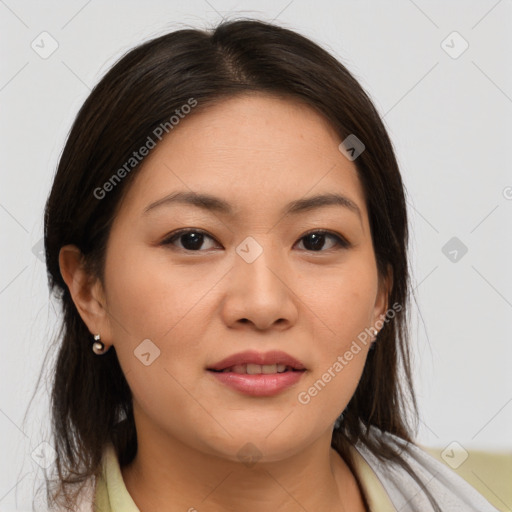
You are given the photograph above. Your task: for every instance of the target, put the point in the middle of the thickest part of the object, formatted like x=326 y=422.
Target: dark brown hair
x=90 y=395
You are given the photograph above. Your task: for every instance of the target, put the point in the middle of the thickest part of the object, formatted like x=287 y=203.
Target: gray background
x=448 y=112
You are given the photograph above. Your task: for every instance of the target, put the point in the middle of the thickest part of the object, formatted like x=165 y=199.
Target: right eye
x=191 y=239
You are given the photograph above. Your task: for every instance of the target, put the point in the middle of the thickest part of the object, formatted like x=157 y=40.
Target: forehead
x=259 y=151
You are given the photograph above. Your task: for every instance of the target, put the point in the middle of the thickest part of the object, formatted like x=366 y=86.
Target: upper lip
x=253 y=357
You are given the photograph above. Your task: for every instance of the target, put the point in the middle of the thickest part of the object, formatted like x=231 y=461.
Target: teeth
x=255 y=369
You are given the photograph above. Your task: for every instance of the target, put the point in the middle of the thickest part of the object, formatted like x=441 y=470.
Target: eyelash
x=342 y=242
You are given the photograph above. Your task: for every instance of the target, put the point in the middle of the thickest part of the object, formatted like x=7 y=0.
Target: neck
x=168 y=475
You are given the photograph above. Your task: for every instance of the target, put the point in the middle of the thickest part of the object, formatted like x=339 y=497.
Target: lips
x=252 y=363
x=258 y=374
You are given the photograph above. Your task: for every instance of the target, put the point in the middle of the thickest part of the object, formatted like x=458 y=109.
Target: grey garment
x=452 y=492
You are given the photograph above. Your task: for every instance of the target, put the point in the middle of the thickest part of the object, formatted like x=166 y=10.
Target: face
x=187 y=286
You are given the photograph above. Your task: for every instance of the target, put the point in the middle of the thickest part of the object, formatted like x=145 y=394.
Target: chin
x=257 y=446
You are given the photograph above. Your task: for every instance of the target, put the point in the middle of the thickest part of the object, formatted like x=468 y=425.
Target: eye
x=193 y=239
x=314 y=240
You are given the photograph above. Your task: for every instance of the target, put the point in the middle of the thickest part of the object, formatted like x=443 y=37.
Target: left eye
x=316 y=239
x=192 y=239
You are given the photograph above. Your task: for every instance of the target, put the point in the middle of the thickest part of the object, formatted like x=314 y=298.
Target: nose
x=260 y=292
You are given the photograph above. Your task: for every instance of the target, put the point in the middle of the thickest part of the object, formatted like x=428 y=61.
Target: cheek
x=342 y=305
x=147 y=294
x=343 y=302
x=150 y=298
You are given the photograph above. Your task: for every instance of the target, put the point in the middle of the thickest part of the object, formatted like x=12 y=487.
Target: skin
x=200 y=306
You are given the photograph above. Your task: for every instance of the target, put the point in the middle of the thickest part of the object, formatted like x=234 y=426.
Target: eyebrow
x=216 y=204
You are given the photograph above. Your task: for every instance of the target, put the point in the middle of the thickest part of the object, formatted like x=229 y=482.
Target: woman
x=227 y=232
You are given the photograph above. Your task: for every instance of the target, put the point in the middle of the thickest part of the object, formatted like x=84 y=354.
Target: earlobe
x=86 y=291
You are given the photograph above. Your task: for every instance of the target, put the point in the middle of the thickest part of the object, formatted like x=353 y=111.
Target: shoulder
x=407 y=493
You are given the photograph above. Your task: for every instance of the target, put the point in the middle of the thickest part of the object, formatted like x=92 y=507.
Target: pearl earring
x=98 y=346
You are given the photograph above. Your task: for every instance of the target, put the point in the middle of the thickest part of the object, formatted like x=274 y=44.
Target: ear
x=381 y=302
x=86 y=291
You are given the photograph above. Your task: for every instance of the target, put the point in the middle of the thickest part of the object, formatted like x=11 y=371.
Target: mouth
x=252 y=362
x=256 y=369
x=258 y=374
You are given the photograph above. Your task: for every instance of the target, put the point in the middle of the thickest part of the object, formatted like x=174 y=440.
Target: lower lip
x=260 y=384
